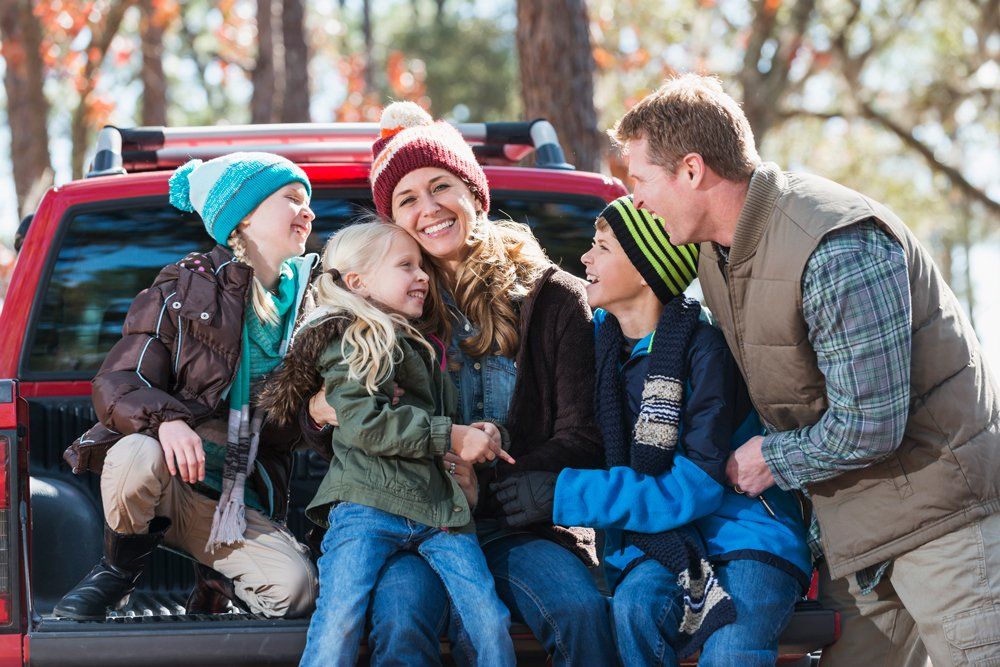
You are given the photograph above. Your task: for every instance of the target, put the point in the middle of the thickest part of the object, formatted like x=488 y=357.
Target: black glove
x=526 y=497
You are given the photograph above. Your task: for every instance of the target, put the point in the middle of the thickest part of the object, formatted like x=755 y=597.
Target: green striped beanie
x=667 y=268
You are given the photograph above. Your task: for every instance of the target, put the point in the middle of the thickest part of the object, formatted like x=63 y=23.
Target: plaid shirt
x=856 y=303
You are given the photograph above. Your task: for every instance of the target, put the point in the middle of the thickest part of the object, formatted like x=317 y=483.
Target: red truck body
x=43 y=405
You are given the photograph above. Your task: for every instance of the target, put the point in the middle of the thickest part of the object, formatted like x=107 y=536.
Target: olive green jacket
x=390 y=456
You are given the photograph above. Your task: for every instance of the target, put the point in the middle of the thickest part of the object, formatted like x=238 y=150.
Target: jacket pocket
x=974 y=637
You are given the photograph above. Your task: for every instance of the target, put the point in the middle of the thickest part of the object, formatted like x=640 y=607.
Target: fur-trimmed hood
x=298 y=377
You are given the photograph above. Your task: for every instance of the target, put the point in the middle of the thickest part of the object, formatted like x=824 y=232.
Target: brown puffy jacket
x=179 y=351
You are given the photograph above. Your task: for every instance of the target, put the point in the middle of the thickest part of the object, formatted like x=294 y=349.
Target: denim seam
x=461 y=632
x=545 y=613
x=661 y=646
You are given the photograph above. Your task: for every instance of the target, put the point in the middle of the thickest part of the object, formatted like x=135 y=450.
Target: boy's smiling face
x=614 y=282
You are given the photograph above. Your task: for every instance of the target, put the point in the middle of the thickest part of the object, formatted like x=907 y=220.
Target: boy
x=692 y=562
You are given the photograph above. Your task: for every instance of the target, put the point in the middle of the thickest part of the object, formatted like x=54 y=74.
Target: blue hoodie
x=694 y=492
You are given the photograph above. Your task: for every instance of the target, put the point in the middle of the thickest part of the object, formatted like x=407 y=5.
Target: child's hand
x=183 y=450
x=490 y=429
x=475 y=446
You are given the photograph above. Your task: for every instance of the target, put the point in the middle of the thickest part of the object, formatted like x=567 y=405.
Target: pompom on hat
x=226 y=189
x=410 y=139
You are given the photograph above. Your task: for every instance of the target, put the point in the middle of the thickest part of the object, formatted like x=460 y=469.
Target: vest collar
x=766 y=185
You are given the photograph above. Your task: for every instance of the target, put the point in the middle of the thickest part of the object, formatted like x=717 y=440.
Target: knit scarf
x=707 y=607
x=229 y=522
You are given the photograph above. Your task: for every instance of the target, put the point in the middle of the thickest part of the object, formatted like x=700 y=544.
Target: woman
x=182 y=454
x=513 y=320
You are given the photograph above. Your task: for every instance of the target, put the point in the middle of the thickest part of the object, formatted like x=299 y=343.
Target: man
x=869 y=378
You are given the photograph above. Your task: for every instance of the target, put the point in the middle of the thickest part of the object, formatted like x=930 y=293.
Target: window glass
x=106 y=257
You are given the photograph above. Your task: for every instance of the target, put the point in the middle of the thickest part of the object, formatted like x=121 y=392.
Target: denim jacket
x=485 y=384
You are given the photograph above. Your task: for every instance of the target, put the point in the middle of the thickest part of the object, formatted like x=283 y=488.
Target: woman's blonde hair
x=263 y=306
x=371 y=351
x=503 y=264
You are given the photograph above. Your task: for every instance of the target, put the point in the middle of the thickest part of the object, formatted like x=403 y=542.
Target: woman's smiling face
x=438 y=210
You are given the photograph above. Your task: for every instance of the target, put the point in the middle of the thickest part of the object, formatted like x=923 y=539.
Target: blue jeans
x=552 y=592
x=356 y=548
x=647 y=611
x=545 y=586
x=409 y=614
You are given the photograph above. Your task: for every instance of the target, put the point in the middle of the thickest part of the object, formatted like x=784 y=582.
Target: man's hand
x=181 y=444
x=465 y=476
x=746 y=469
x=526 y=497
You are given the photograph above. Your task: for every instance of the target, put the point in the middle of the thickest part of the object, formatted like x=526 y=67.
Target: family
x=484 y=412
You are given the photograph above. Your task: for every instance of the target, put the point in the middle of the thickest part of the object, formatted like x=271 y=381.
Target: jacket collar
x=766 y=186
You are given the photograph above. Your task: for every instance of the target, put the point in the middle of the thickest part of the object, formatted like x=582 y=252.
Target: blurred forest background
x=895 y=98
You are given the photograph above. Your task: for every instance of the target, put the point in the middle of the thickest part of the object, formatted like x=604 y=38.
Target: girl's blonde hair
x=371 y=351
x=504 y=262
x=263 y=306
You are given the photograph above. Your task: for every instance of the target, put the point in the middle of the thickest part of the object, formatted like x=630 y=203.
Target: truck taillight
x=5 y=532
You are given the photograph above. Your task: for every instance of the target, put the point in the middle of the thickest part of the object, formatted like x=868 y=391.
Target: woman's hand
x=182 y=450
x=323 y=414
x=465 y=475
x=474 y=445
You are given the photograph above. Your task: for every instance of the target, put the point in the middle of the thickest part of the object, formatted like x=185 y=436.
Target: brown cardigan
x=551 y=415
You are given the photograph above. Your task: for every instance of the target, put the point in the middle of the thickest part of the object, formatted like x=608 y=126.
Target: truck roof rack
x=122 y=150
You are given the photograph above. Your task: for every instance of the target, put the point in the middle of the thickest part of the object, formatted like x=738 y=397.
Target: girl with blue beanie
x=185 y=458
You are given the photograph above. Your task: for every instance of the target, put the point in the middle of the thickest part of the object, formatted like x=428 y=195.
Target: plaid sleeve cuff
x=782 y=452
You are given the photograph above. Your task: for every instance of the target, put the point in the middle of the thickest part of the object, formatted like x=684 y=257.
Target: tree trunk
x=154 y=82
x=967 y=243
x=557 y=74
x=766 y=84
x=27 y=108
x=263 y=76
x=366 y=29
x=295 y=108
x=80 y=133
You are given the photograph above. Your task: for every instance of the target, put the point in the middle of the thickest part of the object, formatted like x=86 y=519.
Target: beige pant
x=940 y=600
x=271 y=571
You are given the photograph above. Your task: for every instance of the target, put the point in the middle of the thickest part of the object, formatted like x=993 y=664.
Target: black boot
x=113 y=579
x=212 y=593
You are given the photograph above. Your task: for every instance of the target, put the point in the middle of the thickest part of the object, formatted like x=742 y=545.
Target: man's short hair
x=692 y=114
x=601 y=224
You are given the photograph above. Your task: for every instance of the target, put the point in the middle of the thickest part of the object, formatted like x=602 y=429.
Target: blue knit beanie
x=226 y=189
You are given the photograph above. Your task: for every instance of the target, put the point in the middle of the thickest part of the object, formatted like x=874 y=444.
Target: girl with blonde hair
x=388 y=488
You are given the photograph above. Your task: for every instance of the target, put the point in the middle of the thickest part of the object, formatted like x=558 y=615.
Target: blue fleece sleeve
x=627 y=500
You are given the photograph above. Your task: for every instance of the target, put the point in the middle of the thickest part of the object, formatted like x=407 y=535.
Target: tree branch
x=954 y=175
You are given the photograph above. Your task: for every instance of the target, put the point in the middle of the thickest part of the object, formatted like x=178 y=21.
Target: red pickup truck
x=91 y=246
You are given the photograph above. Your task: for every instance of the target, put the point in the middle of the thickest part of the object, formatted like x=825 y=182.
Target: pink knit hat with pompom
x=410 y=139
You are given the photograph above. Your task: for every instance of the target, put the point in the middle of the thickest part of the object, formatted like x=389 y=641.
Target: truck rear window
x=108 y=255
